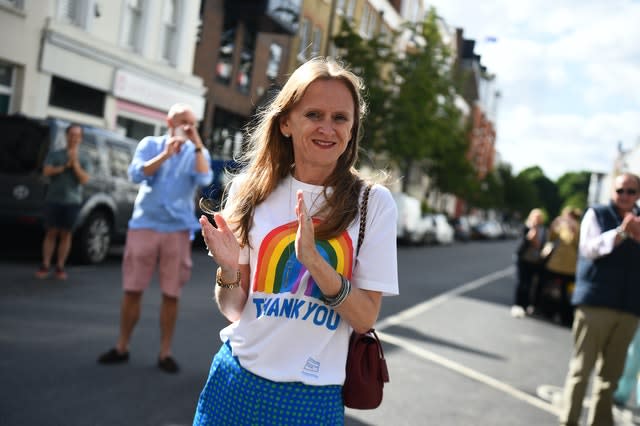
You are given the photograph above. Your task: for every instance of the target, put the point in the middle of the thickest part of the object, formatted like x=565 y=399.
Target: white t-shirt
x=286 y=333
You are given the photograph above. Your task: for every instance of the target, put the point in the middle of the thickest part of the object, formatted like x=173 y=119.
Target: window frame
x=316 y=41
x=9 y=90
x=13 y=4
x=82 y=16
x=135 y=42
x=169 y=53
x=305 y=27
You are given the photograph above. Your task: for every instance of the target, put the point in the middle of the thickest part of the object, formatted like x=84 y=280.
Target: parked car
x=461 y=228
x=489 y=230
x=426 y=231
x=108 y=196
x=442 y=230
x=409 y=216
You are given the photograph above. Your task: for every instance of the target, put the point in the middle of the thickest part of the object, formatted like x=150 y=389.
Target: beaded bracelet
x=338 y=299
x=220 y=283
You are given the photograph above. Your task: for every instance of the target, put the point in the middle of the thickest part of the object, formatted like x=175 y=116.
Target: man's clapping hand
x=631 y=225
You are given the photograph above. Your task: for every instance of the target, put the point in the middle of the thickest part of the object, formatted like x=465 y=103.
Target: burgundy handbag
x=366 y=368
x=366 y=372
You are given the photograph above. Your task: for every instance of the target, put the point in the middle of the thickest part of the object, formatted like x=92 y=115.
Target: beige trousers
x=601 y=337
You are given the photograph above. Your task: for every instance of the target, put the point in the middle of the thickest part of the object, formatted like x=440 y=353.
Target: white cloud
x=569 y=74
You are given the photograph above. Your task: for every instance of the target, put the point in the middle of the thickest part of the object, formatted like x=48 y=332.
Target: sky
x=568 y=73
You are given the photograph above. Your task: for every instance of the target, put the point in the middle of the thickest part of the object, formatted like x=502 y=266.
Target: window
x=16 y=4
x=224 y=65
x=305 y=28
x=119 y=159
x=351 y=8
x=90 y=149
x=243 y=78
x=169 y=31
x=227 y=133
x=340 y=6
x=373 y=23
x=76 y=97
x=364 y=19
x=273 y=65
x=385 y=33
x=74 y=12
x=317 y=40
x=132 y=24
x=6 y=87
x=136 y=129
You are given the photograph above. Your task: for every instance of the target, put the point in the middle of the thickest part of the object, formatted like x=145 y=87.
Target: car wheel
x=94 y=238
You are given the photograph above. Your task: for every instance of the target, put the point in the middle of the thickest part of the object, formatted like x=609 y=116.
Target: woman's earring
x=286 y=135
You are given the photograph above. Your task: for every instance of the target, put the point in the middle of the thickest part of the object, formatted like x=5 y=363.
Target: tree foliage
x=413 y=118
x=414 y=122
x=368 y=59
x=548 y=197
x=573 y=189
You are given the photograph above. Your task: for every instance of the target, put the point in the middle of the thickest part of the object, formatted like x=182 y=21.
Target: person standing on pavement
x=170 y=169
x=529 y=262
x=560 y=268
x=290 y=277
x=68 y=171
x=606 y=300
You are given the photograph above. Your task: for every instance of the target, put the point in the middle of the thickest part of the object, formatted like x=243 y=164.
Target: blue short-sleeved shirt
x=166 y=199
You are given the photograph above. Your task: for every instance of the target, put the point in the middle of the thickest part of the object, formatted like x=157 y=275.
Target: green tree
x=546 y=189
x=425 y=129
x=520 y=195
x=413 y=120
x=573 y=189
x=368 y=59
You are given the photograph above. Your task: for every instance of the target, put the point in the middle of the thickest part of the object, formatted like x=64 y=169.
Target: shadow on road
x=401 y=331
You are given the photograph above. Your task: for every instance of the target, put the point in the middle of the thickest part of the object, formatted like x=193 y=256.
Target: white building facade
x=601 y=185
x=111 y=64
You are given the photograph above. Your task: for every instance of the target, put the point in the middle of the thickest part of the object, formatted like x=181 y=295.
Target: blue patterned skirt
x=234 y=396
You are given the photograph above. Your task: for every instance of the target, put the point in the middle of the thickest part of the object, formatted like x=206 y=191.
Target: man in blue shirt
x=170 y=169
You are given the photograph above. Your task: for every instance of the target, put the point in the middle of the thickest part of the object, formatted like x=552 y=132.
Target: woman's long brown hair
x=269 y=157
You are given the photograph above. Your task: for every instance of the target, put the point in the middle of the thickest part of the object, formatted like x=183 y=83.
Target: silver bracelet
x=338 y=299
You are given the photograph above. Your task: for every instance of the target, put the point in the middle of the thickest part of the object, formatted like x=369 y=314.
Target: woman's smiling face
x=320 y=126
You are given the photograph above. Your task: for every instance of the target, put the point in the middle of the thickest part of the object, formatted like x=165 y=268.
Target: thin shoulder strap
x=363 y=216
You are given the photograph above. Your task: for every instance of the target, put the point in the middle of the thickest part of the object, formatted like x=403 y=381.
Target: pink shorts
x=145 y=250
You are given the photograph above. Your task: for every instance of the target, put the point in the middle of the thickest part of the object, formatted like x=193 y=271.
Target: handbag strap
x=384 y=372
x=363 y=216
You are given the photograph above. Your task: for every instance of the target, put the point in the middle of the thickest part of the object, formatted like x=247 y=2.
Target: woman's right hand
x=221 y=242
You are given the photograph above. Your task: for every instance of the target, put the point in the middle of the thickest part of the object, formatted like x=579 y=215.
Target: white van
x=409 y=215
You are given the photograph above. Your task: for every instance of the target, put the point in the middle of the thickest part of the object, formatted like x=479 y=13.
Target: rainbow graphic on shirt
x=278 y=269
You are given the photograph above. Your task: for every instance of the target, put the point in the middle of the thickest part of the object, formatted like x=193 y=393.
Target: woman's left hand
x=305 y=238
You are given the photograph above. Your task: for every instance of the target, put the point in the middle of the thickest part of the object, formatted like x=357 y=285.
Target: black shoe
x=168 y=365
x=112 y=356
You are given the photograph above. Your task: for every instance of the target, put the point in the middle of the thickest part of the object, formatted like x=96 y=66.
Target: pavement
x=461 y=359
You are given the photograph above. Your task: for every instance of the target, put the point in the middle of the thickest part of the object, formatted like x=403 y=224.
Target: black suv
x=108 y=196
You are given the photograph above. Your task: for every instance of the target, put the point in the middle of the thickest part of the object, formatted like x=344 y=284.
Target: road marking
x=468 y=372
x=407 y=345
x=407 y=314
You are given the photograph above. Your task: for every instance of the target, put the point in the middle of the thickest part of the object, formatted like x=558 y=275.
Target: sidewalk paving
x=443 y=371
